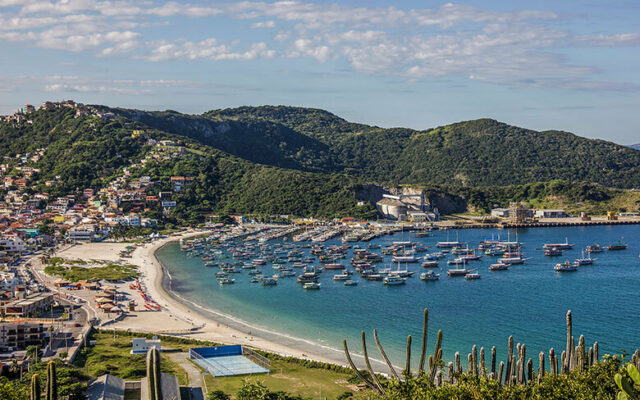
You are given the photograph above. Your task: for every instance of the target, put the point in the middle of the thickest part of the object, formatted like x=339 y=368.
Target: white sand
x=175 y=317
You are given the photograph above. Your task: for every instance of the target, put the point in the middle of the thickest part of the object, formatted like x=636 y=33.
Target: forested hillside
x=308 y=162
x=472 y=153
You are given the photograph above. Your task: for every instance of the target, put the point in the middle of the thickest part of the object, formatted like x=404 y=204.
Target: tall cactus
x=384 y=355
x=154 y=376
x=375 y=379
x=483 y=364
x=346 y=353
x=437 y=356
x=451 y=373
x=596 y=355
x=493 y=361
x=52 y=381
x=566 y=359
x=407 y=366
x=474 y=360
x=500 y=369
x=541 y=371
x=423 y=351
x=553 y=366
x=458 y=365
x=509 y=357
x=35 y=387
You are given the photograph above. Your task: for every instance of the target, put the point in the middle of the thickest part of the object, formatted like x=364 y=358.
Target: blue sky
x=569 y=65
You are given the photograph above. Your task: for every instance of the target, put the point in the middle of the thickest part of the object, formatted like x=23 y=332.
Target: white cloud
x=264 y=24
x=517 y=47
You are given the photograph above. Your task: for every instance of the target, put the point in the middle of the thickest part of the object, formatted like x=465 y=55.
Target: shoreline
x=203 y=323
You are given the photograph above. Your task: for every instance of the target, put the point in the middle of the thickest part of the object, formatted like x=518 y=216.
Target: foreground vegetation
x=579 y=373
x=75 y=272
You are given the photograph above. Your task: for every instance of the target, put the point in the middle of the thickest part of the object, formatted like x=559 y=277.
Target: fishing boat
x=585 y=261
x=594 y=248
x=404 y=259
x=565 y=267
x=349 y=282
x=255 y=280
x=341 y=277
x=269 y=281
x=449 y=244
x=307 y=277
x=494 y=251
x=457 y=272
x=472 y=276
x=423 y=234
x=552 y=252
x=312 y=286
x=334 y=266
x=226 y=281
x=499 y=267
x=512 y=258
x=429 y=276
x=259 y=261
x=562 y=246
x=430 y=264
x=621 y=245
x=393 y=280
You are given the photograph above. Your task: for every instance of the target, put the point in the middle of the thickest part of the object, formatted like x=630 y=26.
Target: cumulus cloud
x=514 y=47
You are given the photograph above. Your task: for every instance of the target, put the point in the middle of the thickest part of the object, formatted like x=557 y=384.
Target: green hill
x=289 y=160
x=471 y=153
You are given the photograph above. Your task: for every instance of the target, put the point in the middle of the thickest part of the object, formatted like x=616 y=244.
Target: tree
x=218 y=395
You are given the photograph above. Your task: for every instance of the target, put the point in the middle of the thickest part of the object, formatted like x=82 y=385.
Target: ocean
x=528 y=301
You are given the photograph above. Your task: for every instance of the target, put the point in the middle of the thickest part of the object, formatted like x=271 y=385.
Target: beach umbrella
x=102 y=300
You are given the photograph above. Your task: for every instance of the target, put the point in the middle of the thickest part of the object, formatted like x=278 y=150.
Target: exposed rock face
x=443 y=202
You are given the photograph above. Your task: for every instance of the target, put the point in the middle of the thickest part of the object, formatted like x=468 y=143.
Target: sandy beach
x=177 y=316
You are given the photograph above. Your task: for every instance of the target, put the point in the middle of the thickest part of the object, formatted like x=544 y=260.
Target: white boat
x=561 y=246
x=404 y=259
x=311 y=285
x=585 y=261
x=349 y=282
x=393 y=280
x=429 y=276
x=472 y=275
x=565 y=267
x=341 y=277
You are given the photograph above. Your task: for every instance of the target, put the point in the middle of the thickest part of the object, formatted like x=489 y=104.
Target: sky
x=568 y=65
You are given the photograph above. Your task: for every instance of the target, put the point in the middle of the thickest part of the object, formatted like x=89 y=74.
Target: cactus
x=384 y=355
x=35 y=387
x=368 y=363
x=637 y=355
x=530 y=370
x=451 y=373
x=439 y=378
x=553 y=365
x=493 y=361
x=154 y=376
x=52 y=381
x=540 y=367
x=507 y=380
x=346 y=353
x=474 y=360
x=483 y=365
x=563 y=360
x=500 y=369
x=567 y=357
x=407 y=366
x=437 y=356
x=626 y=385
x=470 y=359
x=458 y=365
x=596 y=355
x=423 y=352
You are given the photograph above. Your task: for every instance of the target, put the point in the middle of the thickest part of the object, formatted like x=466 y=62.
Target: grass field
x=292 y=378
x=74 y=272
x=111 y=355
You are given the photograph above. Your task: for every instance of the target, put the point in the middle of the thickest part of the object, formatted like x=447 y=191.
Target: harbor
x=495 y=265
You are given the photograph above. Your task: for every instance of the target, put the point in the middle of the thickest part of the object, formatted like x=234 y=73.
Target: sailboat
x=585 y=261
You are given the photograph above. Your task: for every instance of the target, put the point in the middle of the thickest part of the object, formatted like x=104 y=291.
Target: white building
x=500 y=212
x=551 y=214
x=142 y=345
x=12 y=245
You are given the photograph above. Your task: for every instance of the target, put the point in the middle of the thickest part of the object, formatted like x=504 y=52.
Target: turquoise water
x=528 y=301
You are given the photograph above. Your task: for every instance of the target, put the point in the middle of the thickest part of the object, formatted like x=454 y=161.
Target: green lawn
x=112 y=356
x=292 y=378
x=75 y=273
